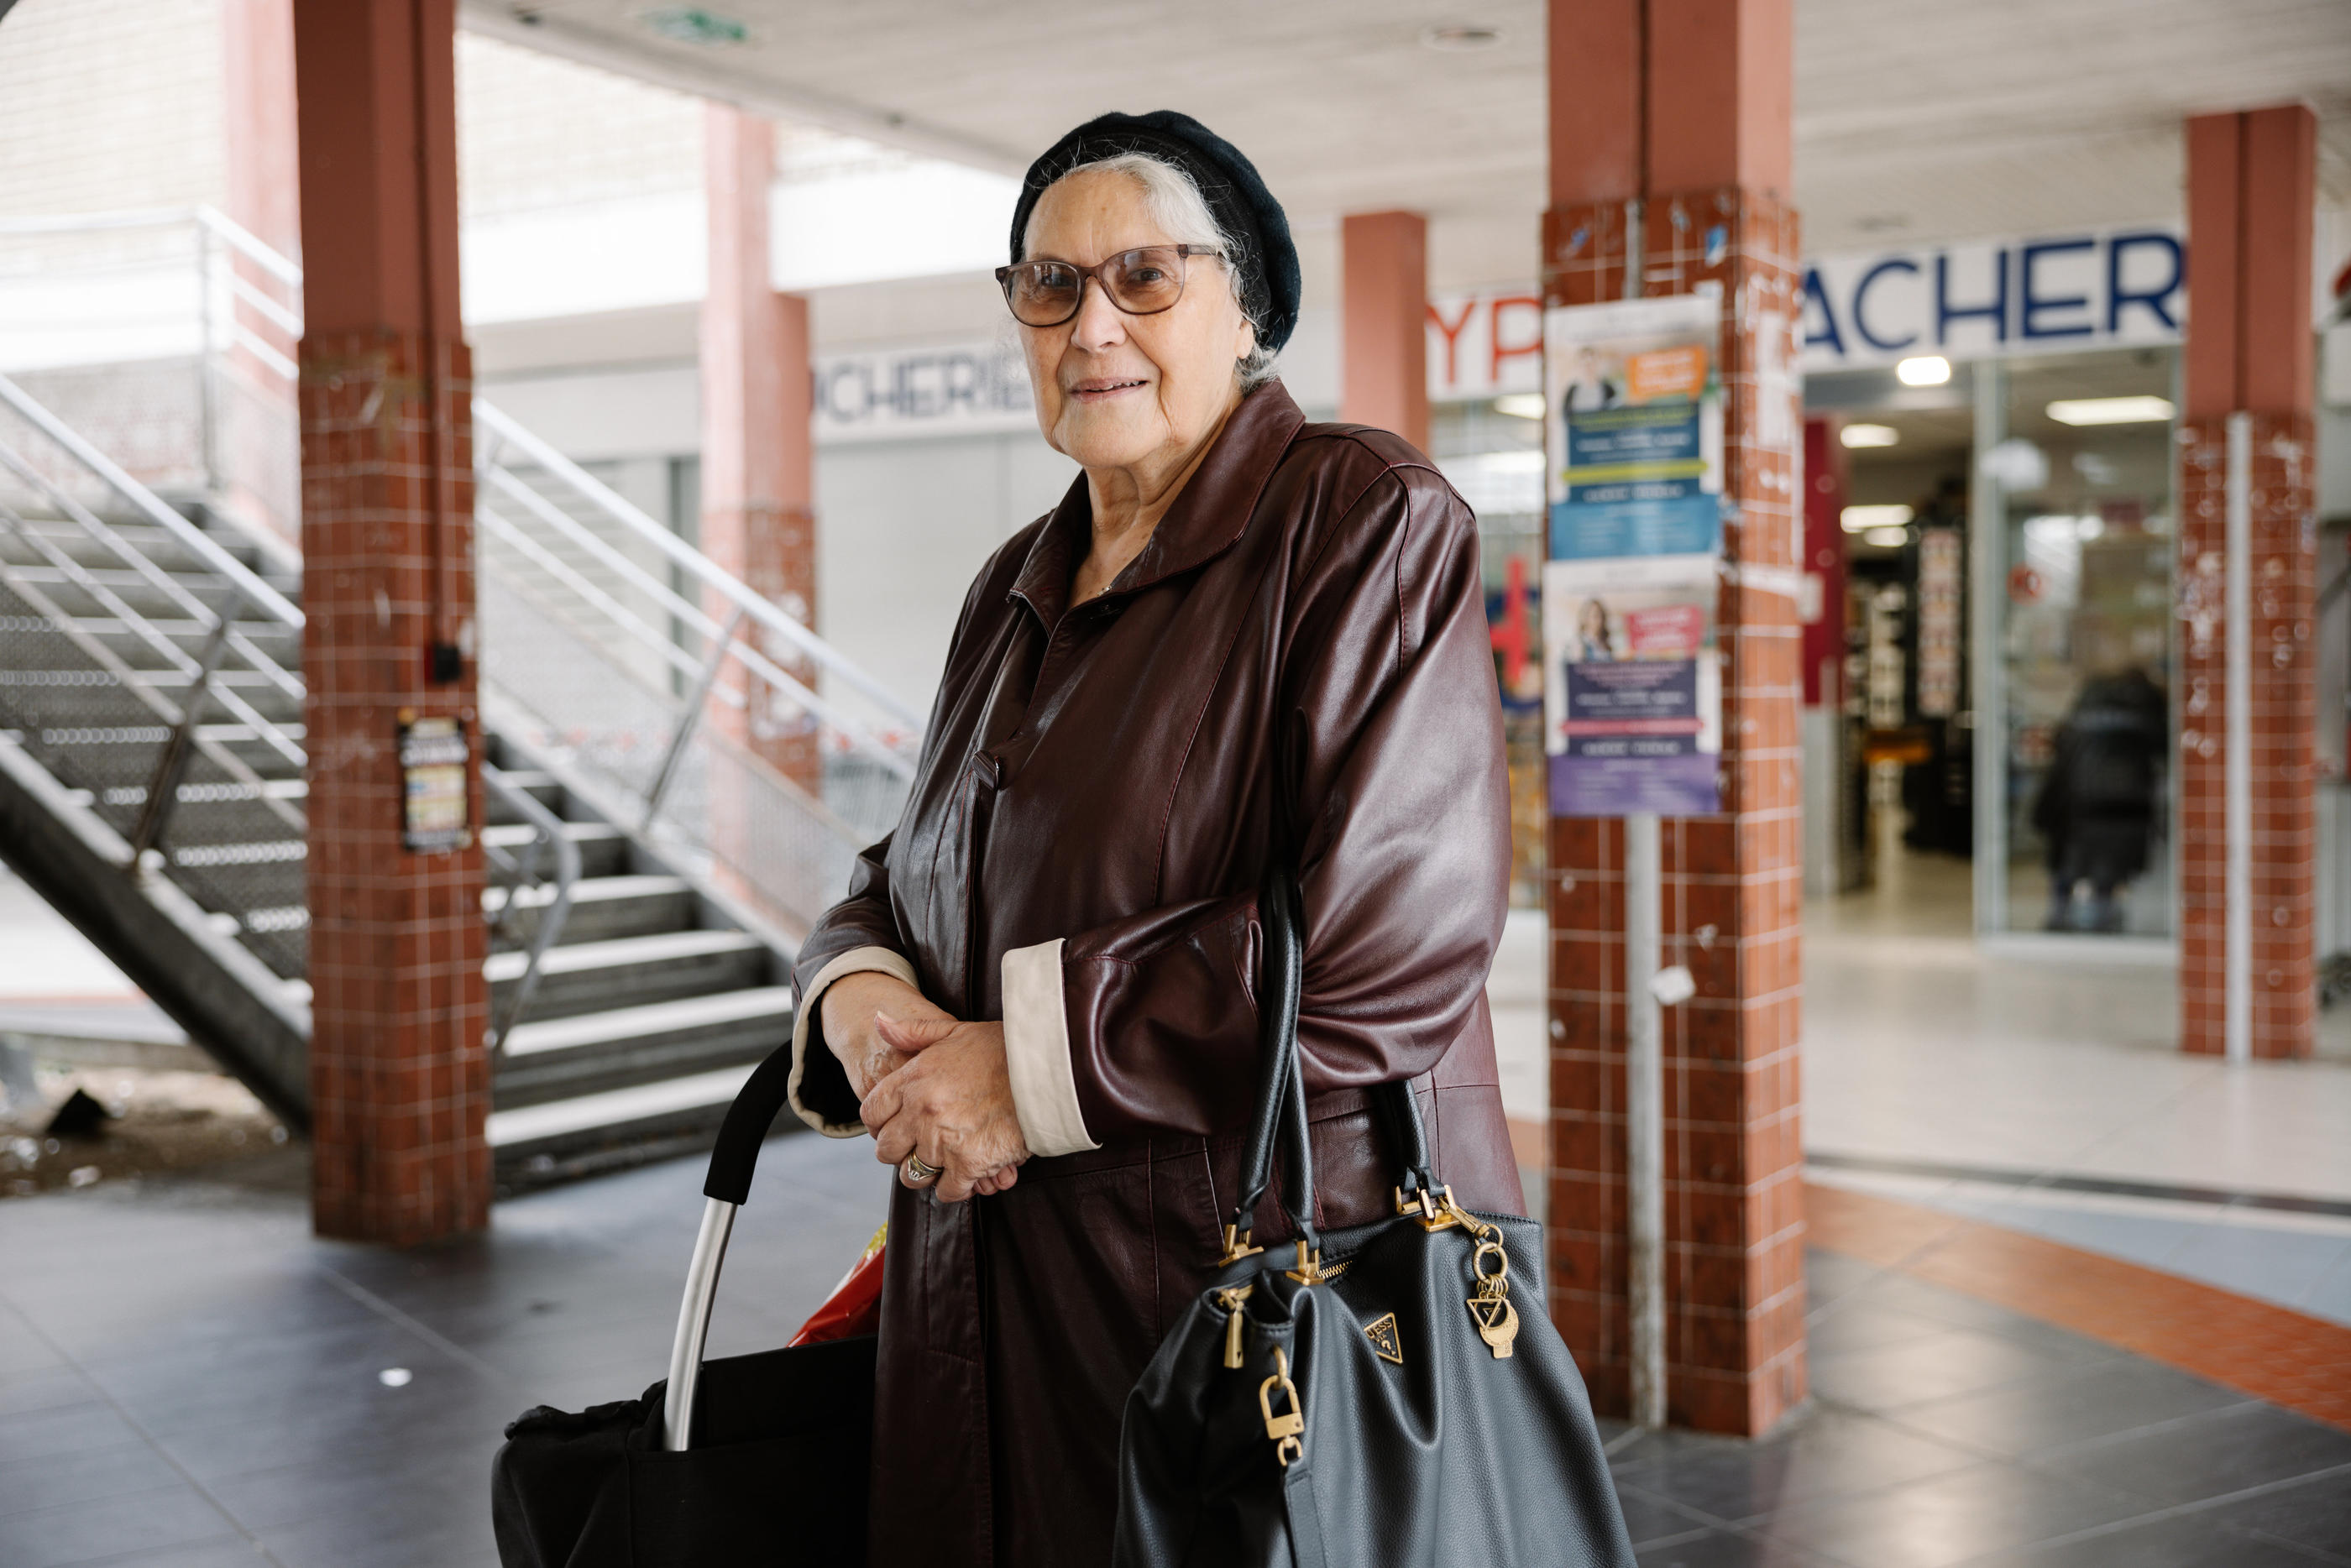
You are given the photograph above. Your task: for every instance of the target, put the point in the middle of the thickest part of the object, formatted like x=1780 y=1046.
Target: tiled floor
x=187 y=1379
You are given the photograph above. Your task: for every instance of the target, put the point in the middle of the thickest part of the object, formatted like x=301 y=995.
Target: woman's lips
x=1098 y=388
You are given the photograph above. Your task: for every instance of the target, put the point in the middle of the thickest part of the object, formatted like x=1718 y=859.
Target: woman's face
x=1113 y=390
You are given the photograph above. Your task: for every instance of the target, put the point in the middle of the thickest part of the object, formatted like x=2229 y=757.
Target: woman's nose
x=1099 y=323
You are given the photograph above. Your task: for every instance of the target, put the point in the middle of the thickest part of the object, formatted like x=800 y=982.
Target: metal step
x=602 y=908
x=565 y=1057
x=604 y=850
x=540 y=786
x=618 y=1126
x=594 y=977
x=163 y=548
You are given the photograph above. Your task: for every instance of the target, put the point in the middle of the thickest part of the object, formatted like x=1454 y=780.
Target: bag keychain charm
x=1497 y=1319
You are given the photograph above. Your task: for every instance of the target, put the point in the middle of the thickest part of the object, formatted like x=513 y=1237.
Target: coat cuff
x=1036 y=1052
x=856 y=960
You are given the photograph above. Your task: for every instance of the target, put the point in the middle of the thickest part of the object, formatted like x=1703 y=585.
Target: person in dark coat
x=2096 y=812
x=1240 y=639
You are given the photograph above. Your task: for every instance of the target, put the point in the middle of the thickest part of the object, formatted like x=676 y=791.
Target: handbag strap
x=1279 y=1112
x=1278 y=1116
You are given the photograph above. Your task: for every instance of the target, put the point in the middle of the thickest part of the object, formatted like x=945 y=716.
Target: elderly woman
x=1240 y=639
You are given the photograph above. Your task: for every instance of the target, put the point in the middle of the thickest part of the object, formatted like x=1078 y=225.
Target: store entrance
x=2008 y=700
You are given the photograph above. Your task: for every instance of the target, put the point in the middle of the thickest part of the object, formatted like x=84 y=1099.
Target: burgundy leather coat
x=1296 y=664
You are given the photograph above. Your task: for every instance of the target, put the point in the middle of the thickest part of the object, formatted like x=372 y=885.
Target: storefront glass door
x=2072 y=519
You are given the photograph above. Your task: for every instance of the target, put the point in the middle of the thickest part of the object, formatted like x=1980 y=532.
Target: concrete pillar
x=757 y=463
x=1383 y=336
x=1682 y=106
x=2252 y=186
x=259 y=438
x=400 y=1081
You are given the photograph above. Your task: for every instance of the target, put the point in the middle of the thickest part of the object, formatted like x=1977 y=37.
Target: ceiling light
x=2110 y=410
x=691 y=25
x=1862 y=519
x=1888 y=538
x=1520 y=405
x=1459 y=40
x=1923 y=370
x=1869 y=435
x=1526 y=460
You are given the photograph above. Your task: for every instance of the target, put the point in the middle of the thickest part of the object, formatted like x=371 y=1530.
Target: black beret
x=1268 y=262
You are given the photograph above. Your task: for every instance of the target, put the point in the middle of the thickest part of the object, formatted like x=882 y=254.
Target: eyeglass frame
x=1093 y=274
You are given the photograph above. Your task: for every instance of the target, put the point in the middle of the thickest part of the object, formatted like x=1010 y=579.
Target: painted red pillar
x=758 y=460
x=260 y=405
x=400 y=1080
x=1822 y=596
x=1383 y=335
x=1670 y=130
x=2251 y=395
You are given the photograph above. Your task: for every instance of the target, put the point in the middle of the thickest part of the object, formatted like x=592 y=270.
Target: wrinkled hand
x=852 y=1007
x=952 y=1105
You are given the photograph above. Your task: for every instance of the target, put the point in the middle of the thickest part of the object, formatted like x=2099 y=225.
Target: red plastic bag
x=854 y=1308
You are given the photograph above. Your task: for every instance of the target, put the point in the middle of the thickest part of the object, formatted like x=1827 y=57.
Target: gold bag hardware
x=1230 y=1299
x=1284 y=1430
x=1385 y=1344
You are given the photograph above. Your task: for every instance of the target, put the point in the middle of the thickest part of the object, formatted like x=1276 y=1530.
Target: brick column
x=2251 y=185
x=399 y=1079
x=1384 y=332
x=1701 y=138
x=758 y=461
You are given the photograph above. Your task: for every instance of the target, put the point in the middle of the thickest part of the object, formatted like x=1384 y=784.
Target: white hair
x=1175 y=202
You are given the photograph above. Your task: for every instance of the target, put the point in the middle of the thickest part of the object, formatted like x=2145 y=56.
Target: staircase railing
x=703 y=714
x=110 y=698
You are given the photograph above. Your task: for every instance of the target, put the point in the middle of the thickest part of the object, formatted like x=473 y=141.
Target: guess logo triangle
x=1384 y=1343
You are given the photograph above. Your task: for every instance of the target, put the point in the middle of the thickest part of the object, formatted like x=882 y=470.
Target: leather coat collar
x=1208 y=516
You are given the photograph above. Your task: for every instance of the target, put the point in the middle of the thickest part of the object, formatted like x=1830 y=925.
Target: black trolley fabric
x=750 y=1462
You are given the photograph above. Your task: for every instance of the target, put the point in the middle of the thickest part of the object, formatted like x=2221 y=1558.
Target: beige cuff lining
x=856 y=960
x=1036 y=1050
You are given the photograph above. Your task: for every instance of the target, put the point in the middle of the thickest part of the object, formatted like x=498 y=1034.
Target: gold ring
x=919 y=1171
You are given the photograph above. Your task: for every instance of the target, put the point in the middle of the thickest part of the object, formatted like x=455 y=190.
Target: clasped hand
x=927 y=1084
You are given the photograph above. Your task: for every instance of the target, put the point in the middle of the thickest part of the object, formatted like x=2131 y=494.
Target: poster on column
x=1633 y=433
x=1632 y=672
x=1633 y=688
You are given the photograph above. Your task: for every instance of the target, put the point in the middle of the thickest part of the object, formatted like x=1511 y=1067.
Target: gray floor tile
x=378 y=1490
x=1649 y=1518
x=1727 y=1549
x=84 y=1476
x=2315 y=1512
x=1950 y=1517
x=1858 y=1324
x=425 y=1541
x=1826 y=1453
x=76 y=1532
x=1889 y=1378
x=36 y=1434
x=2095 y=1401
x=2285 y=1266
x=52 y=1389
x=236 y=1552
x=2176 y=1543
x=2206 y=1455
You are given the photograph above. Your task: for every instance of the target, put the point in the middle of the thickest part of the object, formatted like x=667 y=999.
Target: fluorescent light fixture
x=1528 y=459
x=1888 y=538
x=1869 y=435
x=1923 y=370
x=2110 y=410
x=691 y=25
x=1459 y=38
x=1520 y=405
x=1862 y=519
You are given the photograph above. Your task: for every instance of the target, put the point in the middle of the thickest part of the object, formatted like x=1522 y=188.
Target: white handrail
x=701 y=565
x=257 y=594
x=686 y=611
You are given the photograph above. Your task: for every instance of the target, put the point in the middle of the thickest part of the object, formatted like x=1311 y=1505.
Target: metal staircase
x=650 y=870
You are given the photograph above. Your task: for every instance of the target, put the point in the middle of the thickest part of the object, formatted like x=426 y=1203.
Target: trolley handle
x=736 y=1157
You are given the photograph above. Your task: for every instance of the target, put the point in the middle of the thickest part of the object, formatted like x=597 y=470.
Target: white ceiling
x=1914 y=119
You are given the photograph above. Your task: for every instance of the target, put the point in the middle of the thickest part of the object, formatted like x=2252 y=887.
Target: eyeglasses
x=1141 y=282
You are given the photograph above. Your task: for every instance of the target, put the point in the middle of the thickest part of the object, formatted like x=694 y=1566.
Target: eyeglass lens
x=1140 y=283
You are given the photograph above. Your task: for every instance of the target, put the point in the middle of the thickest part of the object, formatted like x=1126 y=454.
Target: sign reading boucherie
x=965 y=388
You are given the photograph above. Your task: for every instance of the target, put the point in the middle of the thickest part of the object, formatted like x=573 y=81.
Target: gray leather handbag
x=1391 y=1394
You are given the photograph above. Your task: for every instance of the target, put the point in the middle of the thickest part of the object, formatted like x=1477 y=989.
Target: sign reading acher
x=1977 y=299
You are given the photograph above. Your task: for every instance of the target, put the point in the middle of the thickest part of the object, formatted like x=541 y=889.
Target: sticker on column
x=1633 y=685
x=1633 y=433
x=432 y=754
